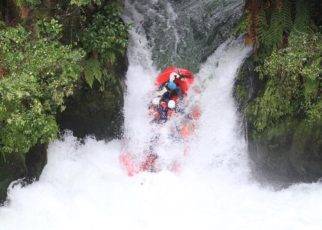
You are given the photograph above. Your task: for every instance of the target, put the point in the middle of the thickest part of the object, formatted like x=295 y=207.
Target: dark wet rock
x=12 y=167
x=247 y=85
x=292 y=153
x=97 y=111
x=185 y=33
x=35 y=161
x=94 y=112
x=16 y=166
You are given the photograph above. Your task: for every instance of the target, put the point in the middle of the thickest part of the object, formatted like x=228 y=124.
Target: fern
x=286 y=15
x=270 y=22
x=110 y=56
x=280 y=22
x=302 y=18
x=92 y=71
x=275 y=30
x=263 y=35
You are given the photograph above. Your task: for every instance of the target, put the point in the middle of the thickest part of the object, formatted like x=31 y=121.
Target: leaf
x=40 y=74
x=92 y=71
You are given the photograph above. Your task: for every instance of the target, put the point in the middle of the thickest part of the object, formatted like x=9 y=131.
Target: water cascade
x=84 y=187
x=186 y=32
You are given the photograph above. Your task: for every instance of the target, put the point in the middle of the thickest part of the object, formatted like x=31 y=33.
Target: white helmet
x=156 y=101
x=173 y=76
x=171 y=104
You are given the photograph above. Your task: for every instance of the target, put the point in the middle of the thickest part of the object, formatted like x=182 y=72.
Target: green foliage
x=30 y=3
x=269 y=23
x=302 y=19
x=241 y=93
x=39 y=72
x=2 y=25
x=293 y=83
x=272 y=24
x=85 y=2
x=106 y=39
x=40 y=75
x=242 y=25
x=50 y=29
x=106 y=35
x=270 y=108
x=92 y=71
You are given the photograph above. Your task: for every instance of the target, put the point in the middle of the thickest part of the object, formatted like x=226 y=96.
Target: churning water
x=84 y=187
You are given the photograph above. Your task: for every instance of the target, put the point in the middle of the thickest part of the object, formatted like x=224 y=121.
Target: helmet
x=171 y=104
x=156 y=101
x=173 y=76
x=171 y=85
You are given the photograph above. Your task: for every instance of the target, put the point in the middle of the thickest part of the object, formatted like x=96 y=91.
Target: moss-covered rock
x=12 y=167
x=290 y=151
x=97 y=111
x=15 y=166
x=247 y=84
x=94 y=112
x=306 y=151
x=35 y=161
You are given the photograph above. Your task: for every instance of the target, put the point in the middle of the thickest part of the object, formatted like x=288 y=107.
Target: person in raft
x=167 y=97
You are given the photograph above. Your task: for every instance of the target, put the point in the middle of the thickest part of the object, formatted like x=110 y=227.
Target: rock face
x=11 y=168
x=94 y=112
x=291 y=152
x=185 y=33
x=14 y=166
x=97 y=111
x=35 y=161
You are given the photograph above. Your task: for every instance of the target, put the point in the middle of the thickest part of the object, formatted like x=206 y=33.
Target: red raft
x=184 y=82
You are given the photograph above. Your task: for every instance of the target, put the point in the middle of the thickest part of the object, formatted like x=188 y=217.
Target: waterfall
x=186 y=32
x=84 y=187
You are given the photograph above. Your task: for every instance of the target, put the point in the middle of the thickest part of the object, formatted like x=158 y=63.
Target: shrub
x=105 y=39
x=293 y=78
x=40 y=74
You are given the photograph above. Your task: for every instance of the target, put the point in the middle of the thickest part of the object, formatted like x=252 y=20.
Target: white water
x=84 y=187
